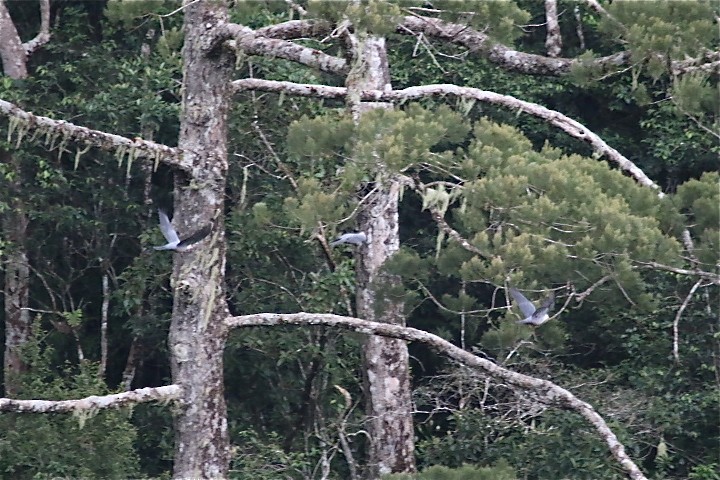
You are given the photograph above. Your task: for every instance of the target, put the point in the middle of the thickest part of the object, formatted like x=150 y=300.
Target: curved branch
x=571 y=127
x=43 y=35
x=542 y=391
x=676 y=321
x=251 y=42
x=117 y=400
x=138 y=148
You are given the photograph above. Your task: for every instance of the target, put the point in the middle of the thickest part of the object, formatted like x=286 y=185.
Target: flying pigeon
x=174 y=242
x=353 y=238
x=532 y=316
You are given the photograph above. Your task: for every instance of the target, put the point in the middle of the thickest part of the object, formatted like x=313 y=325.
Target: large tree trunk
x=387 y=377
x=17 y=270
x=197 y=335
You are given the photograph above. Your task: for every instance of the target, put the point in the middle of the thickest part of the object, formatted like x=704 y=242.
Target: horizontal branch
x=294 y=29
x=695 y=272
x=571 y=127
x=542 y=391
x=58 y=132
x=142 y=395
x=251 y=42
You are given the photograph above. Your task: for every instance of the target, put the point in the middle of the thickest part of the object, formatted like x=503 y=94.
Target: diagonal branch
x=541 y=391
x=571 y=127
x=251 y=42
x=676 y=321
x=505 y=57
x=88 y=404
x=59 y=132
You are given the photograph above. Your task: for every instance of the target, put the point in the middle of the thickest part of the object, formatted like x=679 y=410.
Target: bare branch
x=538 y=390
x=712 y=277
x=478 y=42
x=571 y=127
x=240 y=37
x=296 y=7
x=676 y=322
x=92 y=403
x=553 y=39
x=455 y=235
x=104 y=325
x=581 y=296
x=43 y=35
x=579 y=27
x=66 y=131
x=294 y=29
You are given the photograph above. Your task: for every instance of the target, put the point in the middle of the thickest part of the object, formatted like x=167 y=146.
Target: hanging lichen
x=132 y=155
x=84 y=414
x=119 y=154
x=80 y=152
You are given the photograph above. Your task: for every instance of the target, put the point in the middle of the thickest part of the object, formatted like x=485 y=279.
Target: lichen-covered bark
x=14 y=225
x=12 y=52
x=17 y=281
x=197 y=334
x=387 y=376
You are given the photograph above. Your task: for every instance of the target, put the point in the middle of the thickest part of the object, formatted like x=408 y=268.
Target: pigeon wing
x=166 y=228
x=525 y=305
x=196 y=237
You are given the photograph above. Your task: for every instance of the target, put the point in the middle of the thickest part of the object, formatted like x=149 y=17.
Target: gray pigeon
x=352 y=238
x=532 y=316
x=174 y=242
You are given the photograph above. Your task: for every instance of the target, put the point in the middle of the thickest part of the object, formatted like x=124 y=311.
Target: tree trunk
x=197 y=335
x=17 y=270
x=17 y=281
x=379 y=296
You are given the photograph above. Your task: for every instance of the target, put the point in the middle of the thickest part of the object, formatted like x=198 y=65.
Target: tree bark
x=17 y=270
x=553 y=39
x=386 y=361
x=17 y=283
x=197 y=334
x=12 y=52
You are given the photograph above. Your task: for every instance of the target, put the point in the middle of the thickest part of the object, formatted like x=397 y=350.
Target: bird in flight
x=352 y=238
x=174 y=242
x=533 y=316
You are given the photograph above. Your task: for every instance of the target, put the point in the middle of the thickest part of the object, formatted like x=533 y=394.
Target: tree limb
x=542 y=391
x=43 y=35
x=117 y=400
x=571 y=127
x=713 y=277
x=505 y=57
x=64 y=131
x=251 y=42
x=553 y=39
x=676 y=322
